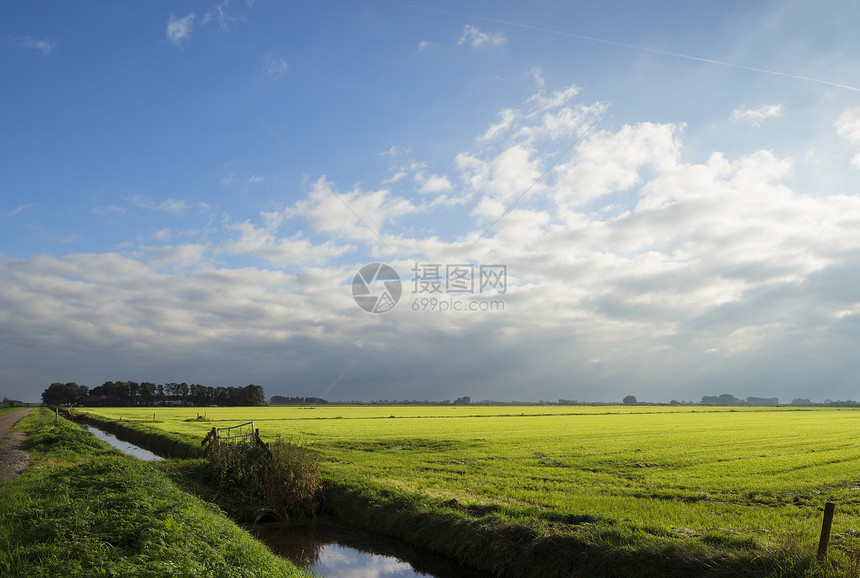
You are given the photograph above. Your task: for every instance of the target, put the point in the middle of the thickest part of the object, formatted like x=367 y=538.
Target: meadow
x=751 y=479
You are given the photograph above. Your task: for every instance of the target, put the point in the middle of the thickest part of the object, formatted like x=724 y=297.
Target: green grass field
x=742 y=478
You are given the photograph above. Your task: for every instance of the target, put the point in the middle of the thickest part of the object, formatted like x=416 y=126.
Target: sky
x=571 y=200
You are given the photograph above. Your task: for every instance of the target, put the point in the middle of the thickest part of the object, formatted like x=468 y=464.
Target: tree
x=147 y=393
x=64 y=394
x=172 y=390
x=133 y=389
x=629 y=400
x=253 y=395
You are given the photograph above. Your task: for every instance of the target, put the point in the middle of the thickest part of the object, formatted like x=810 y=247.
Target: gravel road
x=13 y=458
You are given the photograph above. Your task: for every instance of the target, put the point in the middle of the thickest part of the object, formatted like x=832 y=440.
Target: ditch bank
x=83 y=509
x=488 y=538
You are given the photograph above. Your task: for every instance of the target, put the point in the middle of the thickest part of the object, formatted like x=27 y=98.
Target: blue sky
x=188 y=190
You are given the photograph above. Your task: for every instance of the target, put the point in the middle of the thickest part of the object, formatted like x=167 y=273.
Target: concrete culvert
x=268 y=517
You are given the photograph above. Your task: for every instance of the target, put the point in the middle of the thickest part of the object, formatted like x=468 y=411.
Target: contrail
x=626 y=45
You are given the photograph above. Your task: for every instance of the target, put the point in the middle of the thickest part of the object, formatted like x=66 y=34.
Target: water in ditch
x=122 y=446
x=331 y=549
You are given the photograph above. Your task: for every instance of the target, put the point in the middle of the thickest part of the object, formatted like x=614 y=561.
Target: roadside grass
x=701 y=491
x=84 y=509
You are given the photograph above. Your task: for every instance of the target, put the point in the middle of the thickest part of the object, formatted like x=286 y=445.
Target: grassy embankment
x=549 y=490
x=84 y=509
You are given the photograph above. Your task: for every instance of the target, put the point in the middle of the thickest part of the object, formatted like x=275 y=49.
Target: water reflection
x=122 y=446
x=335 y=560
x=330 y=549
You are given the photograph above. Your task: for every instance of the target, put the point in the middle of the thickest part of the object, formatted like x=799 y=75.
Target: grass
x=722 y=487
x=84 y=509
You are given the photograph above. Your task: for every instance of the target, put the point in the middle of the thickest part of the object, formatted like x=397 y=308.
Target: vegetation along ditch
x=280 y=482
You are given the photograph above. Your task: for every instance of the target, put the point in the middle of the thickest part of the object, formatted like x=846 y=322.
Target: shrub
x=282 y=476
x=292 y=481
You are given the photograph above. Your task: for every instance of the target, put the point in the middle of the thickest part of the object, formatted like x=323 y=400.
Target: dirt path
x=13 y=459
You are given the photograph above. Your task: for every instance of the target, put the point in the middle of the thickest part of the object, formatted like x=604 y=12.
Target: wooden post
x=829 y=507
x=212 y=437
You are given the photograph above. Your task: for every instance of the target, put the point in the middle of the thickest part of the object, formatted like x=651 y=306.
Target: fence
x=242 y=433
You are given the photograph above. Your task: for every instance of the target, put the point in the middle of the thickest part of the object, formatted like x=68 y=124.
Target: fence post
x=829 y=507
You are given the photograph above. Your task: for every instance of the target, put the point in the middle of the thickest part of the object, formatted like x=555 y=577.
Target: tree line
x=729 y=399
x=132 y=393
x=284 y=400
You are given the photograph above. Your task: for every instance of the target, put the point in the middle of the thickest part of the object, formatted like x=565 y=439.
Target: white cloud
x=274 y=66
x=545 y=116
x=756 y=116
x=179 y=29
x=264 y=242
x=173 y=206
x=433 y=184
x=219 y=14
x=425 y=45
x=174 y=257
x=607 y=162
x=169 y=205
x=848 y=125
x=43 y=45
x=356 y=215
x=19 y=209
x=255 y=179
x=559 y=97
x=508 y=116
x=478 y=39
x=537 y=74
x=110 y=210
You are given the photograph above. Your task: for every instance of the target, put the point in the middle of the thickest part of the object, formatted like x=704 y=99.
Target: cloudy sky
x=582 y=200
